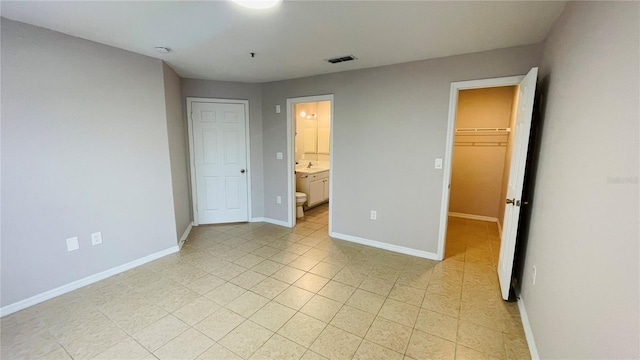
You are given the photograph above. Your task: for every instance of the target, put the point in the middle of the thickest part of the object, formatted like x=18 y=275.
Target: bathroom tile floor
x=260 y=291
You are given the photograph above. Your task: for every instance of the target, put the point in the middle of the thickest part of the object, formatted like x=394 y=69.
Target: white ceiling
x=212 y=39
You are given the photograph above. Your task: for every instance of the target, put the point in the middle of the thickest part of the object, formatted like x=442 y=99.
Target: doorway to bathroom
x=309 y=132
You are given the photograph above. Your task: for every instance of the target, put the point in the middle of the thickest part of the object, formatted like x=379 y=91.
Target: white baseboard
x=473 y=217
x=386 y=246
x=23 y=304
x=528 y=332
x=271 y=221
x=185 y=235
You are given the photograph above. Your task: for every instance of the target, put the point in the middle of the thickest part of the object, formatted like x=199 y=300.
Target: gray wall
x=84 y=149
x=584 y=230
x=238 y=91
x=389 y=125
x=178 y=147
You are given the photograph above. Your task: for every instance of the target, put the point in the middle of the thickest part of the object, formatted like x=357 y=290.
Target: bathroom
x=312 y=154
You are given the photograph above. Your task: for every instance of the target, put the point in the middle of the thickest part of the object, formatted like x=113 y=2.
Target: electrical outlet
x=534 y=272
x=278 y=199
x=72 y=244
x=96 y=238
x=374 y=215
x=279 y=155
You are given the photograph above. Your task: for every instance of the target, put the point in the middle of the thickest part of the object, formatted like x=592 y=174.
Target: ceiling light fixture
x=257 y=4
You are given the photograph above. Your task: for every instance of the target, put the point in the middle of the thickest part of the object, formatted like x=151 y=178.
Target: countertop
x=312 y=170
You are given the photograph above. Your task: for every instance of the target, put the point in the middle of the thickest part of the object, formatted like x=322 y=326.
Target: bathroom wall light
x=308 y=116
x=257 y=4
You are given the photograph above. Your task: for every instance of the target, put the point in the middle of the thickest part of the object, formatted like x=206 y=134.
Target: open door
x=520 y=148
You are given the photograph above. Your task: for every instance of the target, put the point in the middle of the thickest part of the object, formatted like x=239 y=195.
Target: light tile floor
x=260 y=291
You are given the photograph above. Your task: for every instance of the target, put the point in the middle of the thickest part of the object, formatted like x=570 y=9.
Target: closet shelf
x=481 y=136
x=468 y=143
x=482 y=131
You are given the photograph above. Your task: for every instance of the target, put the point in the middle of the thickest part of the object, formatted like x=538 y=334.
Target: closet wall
x=479 y=150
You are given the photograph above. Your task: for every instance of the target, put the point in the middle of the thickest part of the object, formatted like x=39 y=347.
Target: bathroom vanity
x=314 y=183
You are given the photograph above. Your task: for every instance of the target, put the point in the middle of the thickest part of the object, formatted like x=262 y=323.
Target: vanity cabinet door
x=325 y=190
x=316 y=192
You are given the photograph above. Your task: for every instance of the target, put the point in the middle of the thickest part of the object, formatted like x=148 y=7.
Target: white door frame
x=192 y=173
x=453 y=107
x=291 y=212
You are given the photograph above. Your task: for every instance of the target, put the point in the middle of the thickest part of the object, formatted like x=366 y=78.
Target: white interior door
x=220 y=162
x=520 y=148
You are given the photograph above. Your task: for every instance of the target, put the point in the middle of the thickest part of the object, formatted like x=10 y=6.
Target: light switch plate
x=438 y=164
x=277 y=109
x=279 y=155
x=278 y=199
x=72 y=244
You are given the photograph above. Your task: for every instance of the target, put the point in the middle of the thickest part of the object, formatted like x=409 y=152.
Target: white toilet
x=301 y=198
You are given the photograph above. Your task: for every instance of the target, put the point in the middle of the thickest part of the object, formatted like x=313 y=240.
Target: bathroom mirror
x=313 y=122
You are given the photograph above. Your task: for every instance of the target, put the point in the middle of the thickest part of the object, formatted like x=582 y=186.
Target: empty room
x=281 y=179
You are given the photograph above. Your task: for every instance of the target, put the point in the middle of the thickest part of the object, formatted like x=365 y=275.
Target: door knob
x=243 y=171
x=511 y=201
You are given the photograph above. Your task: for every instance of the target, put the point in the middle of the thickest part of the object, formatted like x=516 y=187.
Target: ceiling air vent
x=340 y=59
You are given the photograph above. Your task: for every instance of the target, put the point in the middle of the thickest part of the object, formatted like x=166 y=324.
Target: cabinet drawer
x=323 y=175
